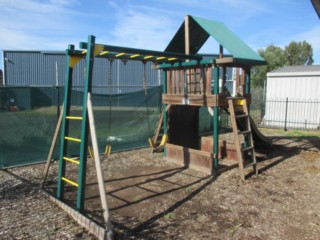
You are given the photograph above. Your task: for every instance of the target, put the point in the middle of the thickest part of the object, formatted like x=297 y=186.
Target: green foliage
x=275 y=58
x=296 y=53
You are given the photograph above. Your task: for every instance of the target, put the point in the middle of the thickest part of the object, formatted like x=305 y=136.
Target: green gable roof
x=200 y=29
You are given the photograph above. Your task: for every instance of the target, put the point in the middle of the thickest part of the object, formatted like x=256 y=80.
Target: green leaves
x=296 y=53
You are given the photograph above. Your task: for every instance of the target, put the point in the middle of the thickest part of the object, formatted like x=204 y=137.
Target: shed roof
x=201 y=29
x=301 y=70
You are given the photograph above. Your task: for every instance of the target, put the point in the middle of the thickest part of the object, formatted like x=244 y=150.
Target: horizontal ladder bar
x=70 y=182
x=71 y=160
x=72 y=139
x=245 y=132
x=242 y=116
x=249 y=164
x=247 y=149
x=73 y=118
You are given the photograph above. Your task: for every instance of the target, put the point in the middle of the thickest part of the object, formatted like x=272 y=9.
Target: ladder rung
x=71 y=160
x=249 y=164
x=70 y=182
x=72 y=139
x=73 y=118
x=242 y=116
x=245 y=132
x=247 y=149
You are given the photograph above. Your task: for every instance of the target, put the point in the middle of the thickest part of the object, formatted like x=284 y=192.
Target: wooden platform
x=201 y=160
x=199 y=100
x=227 y=149
x=191 y=158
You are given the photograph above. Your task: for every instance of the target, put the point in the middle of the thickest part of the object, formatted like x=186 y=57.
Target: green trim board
x=201 y=29
x=186 y=64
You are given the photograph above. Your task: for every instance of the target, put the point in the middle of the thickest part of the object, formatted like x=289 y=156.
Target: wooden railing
x=184 y=81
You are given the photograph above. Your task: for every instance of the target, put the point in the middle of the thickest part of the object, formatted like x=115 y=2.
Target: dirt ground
x=150 y=198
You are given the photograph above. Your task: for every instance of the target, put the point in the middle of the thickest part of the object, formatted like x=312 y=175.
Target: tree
x=298 y=53
x=275 y=58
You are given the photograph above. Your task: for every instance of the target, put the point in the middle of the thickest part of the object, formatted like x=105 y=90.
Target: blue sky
x=53 y=24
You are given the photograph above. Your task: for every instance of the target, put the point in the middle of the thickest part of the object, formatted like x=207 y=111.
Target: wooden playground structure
x=188 y=82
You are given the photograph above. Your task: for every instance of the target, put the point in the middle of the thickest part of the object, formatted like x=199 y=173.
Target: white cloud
x=31 y=24
x=142 y=27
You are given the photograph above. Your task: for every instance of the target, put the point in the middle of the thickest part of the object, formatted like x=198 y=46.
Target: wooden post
x=53 y=144
x=100 y=178
x=187 y=35
x=237 y=82
x=242 y=82
x=220 y=51
x=164 y=91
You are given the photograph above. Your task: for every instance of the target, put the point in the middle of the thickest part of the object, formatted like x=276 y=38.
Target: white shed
x=293 y=97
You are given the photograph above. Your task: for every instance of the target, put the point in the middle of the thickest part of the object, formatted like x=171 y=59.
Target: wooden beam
x=195 y=100
x=102 y=190
x=187 y=35
x=220 y=51
x=53 y=145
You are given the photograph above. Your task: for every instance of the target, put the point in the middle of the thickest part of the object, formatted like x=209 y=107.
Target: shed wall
x=294 y=101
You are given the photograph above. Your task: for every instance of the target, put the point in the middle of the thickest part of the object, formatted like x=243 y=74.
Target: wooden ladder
x=240 y=119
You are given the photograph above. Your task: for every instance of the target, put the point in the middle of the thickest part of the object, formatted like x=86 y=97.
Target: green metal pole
x=64 y=126
x=84 y=127
x=164 y=91
x=216 y=119
x=247 y=81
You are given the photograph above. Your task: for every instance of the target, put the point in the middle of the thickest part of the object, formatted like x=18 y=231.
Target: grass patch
x=169 y=216
x=301 y=134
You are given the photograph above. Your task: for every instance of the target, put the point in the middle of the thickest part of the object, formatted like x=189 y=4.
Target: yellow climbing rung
x=71 y=160
x=147 y=57
x=103 y=53
x=159 y=58
x=70 y=182
x=135 y=55
x=120 y=54
x=171 y=59
x=73 y=118
x=72 y=139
